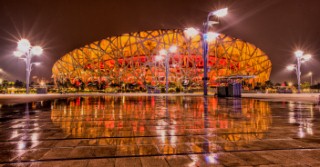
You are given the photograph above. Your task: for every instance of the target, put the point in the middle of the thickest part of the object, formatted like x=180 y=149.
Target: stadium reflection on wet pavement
x=159 y=131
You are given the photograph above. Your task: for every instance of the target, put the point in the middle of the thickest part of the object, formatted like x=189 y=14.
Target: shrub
x=110 y=90
x=171 y=90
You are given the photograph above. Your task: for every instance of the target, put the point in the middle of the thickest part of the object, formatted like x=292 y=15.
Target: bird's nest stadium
x=131 y=59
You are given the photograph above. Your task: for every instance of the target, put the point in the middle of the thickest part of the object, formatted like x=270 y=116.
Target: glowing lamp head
x=310 y=73
x=307 y=57
x=36 y=50
x=220 y=13
x=211 y=36
x=191 y=32
x=173 y=49
x=37 y=63
x=291 y=67
x=163 y=52
x=24 y=45
x=298 y=53
x=18 y=53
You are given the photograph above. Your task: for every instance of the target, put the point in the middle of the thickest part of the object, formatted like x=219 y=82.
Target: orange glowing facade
x=131 y=59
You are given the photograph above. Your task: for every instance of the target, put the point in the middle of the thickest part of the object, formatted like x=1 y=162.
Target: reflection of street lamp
x=27 y=51
x=206 y=38
x=163 y=52
x=301 y=58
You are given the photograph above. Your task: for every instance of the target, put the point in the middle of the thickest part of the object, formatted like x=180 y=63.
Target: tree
x=18 y=84
x=5 y=84
x=305 y=85
x=10 y=84
x=269 y=84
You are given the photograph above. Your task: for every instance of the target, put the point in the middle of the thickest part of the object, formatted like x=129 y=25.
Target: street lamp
x=25 y=51
x=301 y=58
x=164 y=52
x=206 y=38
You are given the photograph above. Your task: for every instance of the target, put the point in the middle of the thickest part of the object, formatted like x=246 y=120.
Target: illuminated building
x=133 y=59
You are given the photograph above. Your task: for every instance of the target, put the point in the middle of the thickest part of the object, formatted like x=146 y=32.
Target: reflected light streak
x=291 y=118
x=195 y=160
x=211 y=158
x=14 y=134
x=21 y=145
x=34 y=136
x=301 y=133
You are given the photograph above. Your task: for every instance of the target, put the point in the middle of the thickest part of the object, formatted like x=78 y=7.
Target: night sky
x=278 y=27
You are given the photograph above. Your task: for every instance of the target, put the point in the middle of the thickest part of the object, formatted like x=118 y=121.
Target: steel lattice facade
x=130 y=59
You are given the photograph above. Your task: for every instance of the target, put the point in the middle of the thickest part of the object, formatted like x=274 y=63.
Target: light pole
x=310 y=73
x=301 y=58
x=25 y=52
x=207 y=37
x=164 y=52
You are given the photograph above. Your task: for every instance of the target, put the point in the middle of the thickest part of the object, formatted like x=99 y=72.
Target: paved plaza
x=160 y=131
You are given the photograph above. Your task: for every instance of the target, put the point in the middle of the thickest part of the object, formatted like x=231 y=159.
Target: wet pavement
x=159 y=131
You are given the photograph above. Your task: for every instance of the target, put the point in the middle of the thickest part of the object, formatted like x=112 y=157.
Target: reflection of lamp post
x=165 y=53
x=301 y=58
x=207 y=37
x=25 y=49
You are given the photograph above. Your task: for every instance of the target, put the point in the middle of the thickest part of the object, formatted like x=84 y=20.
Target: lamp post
x=310 y=74
x=301 y=58
x=26 y=52
x=164 y=52
x=206 y=37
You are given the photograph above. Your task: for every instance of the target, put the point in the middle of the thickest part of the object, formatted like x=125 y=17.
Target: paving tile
x=154 y=161
x=179 y=160
x=104 y=151
x=128 y=162
x=252 y=159
x=67 y=143
x=10 y=155
x=148 y=149
x=228 y=159
x=298 y=156
x=127 y=150
x=68 y=163
x=81 y=152
x=57 y=153
x=47 y=144
x=16 y=165
x=107 y=162
x=275 y=158
x=32 y=155
x=208 y=160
